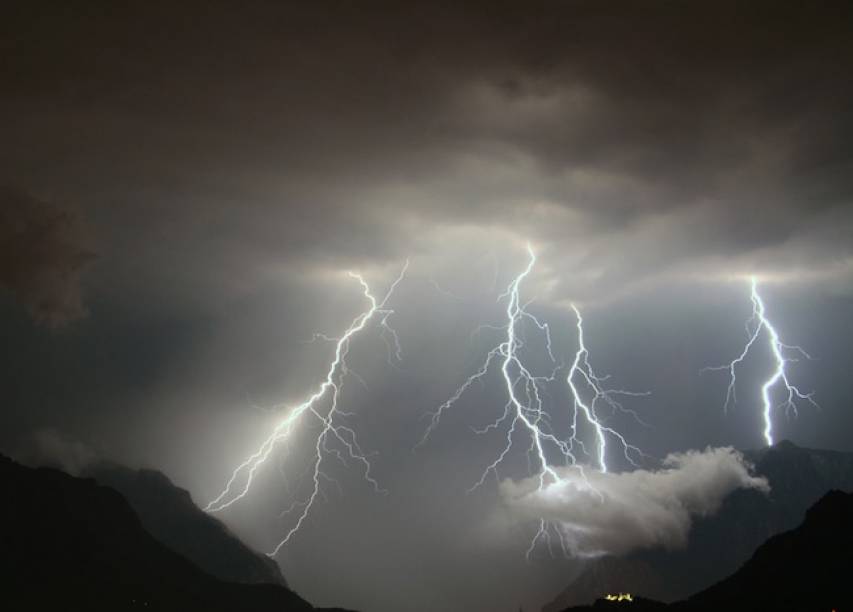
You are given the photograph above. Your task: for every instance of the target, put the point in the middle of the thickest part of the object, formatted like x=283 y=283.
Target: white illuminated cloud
x=616 y=513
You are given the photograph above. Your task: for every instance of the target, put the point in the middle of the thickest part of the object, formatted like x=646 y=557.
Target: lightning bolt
x=331 y=428
x=581 y=369
x=525 y=411
x=755 y=325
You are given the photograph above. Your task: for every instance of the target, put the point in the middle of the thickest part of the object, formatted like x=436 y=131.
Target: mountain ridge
x=169 y=514
x=70 y=542
x=806 y=567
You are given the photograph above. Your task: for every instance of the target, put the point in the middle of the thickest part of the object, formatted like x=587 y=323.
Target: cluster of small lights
x=619 y=597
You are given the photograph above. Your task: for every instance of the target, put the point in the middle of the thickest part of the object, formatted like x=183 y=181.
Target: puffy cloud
x=615 y=513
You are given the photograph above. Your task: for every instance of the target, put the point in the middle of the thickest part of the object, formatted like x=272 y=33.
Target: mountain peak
x=785 y=445
x=829 y=507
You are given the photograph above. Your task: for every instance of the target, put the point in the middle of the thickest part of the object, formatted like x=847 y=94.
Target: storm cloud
x=323 y=135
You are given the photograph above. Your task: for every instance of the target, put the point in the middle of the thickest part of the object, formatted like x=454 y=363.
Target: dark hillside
x=70 y=544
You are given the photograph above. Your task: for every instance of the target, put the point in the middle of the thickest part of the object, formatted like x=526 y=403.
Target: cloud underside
x=629 y=142
x=616 y=513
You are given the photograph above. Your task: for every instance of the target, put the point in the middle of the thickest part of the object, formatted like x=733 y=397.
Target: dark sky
x=184 y=186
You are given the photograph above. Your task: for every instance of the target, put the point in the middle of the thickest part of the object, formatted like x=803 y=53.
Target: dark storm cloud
x=41 y=258
x=327 y=133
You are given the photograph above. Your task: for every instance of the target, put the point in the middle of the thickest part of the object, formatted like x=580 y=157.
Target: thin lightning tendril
x=757 y=323
x=525 y=410
x=331 y=429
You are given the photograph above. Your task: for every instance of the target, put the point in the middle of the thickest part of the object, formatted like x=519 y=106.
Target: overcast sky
x=185 y=187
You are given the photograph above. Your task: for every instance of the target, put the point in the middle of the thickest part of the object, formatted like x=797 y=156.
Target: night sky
x=184 y=187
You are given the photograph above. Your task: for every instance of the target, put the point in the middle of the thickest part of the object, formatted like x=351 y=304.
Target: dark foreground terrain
x=169 y=514
x=803 y=570
x=71 y=544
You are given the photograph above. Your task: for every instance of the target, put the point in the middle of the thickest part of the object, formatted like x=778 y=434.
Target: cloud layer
x=616 y=513
x=630 y=141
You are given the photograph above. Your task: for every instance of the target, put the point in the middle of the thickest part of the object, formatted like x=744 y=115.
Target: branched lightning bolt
x=581 y=369
x=331 y=428
x=525 y=409
x=757 y=323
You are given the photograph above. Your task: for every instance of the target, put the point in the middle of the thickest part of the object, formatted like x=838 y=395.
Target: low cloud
x=41 y=258
x=52 y=448
x=615 y=514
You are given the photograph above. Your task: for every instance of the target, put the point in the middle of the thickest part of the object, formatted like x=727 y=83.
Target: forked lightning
x=322 y=405
x=755 y=325
x=525 y=409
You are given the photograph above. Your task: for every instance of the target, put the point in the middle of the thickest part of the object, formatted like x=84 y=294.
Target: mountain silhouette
x=805 y=569
x=168 y=513
x=719 y=544
x=72 y=544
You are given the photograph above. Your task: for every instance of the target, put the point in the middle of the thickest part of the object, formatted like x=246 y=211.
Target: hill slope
x=168 y=513
x=69 y=543
x=807 y=568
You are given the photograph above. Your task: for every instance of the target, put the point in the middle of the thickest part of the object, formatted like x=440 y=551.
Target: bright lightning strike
x=331 y=428
x=755 y=325
x=581 y=369
x=525 y=411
